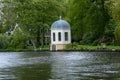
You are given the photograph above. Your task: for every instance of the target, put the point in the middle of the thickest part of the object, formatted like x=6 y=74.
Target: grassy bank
x=109 y=47
x=29 y=48
x=68 y=48
x=91 y=47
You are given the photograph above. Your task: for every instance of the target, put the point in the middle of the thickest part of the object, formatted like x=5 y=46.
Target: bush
x=69 y=46
x=96 y=42
x=4 y=41
x=117 y=35
x=18 y=40
x=75 y=44
x=87 y=38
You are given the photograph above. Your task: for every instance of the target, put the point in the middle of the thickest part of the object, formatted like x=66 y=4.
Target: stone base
x=55 y=47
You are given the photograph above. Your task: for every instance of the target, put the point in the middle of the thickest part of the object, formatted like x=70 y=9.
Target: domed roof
x=60 y=24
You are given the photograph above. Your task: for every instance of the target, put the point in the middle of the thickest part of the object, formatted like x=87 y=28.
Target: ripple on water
x=8 y=59
x=112 y=72
x=60 y=66
x=6 y=74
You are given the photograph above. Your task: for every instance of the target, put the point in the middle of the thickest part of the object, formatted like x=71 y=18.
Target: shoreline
x=100 y=50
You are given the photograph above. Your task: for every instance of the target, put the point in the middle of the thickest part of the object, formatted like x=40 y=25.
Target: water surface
x=59 y=66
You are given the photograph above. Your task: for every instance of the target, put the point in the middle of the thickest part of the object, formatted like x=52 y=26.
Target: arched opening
x=53 y=47
x=59 y=36
x=53 y=36
x=66 y=36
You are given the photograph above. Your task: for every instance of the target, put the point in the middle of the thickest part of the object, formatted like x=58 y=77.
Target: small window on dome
x=66 y=36
x=53 y=36
x=59 y=36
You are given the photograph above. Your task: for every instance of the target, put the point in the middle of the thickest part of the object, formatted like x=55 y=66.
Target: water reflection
x=59 y=66
x=6 y=62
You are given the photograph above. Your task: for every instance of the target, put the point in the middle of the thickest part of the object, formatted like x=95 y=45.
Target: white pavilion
x=60 y=35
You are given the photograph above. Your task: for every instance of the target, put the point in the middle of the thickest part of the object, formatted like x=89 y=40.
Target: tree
x=88 y=17
x=35 y=17
x=4 y=41
x=18 y=40
x=78 y=10
x=96 y=19
x=8 y=17
x=113 y=6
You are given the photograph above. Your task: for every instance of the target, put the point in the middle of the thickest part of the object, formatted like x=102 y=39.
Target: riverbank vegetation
x=101 y=47
x=24 y=24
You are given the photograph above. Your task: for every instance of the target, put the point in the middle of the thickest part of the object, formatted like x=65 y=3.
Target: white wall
x=62 y=36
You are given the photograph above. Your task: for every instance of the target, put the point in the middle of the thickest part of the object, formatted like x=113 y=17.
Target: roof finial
x=60 y=17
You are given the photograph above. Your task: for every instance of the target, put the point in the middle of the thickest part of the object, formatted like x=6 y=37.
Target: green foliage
x=8 y=16
x=71 y=46
x=18 y=40
x=110 y=28
x=114 y=11
x=88 y=17
x=78 y=10
x=109 y=32
x=68 y=46
x=37 y=16
x=87 y=38
x=96 y=42
x=117 y=34
x=4 y=41
x=33 y=16
x=89 y=20
x=90 y=47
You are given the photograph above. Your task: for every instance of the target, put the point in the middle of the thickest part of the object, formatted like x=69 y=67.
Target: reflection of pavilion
x=67 y=66
x=60 y=35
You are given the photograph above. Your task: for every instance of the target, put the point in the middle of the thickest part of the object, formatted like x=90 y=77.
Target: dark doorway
x=53 y=47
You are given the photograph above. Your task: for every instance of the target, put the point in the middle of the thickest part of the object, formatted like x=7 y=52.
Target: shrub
x=96 y=42
x=18 y=40
x=87 y=38
x=117 y=34
x=72 y=46
x=4 y=41
x=69 y=46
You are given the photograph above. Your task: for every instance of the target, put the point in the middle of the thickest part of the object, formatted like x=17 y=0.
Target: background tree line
x=34 y=18
x=92 y=21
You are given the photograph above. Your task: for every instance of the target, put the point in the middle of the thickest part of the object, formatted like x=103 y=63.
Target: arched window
x=66 y=36
x=53 y=36
x=59 y=36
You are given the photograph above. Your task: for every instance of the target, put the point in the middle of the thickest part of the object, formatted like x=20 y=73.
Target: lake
x=59 y=66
